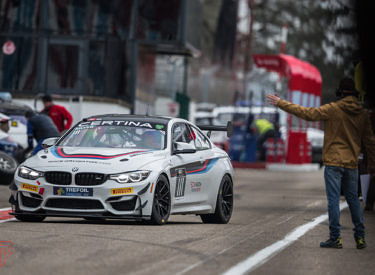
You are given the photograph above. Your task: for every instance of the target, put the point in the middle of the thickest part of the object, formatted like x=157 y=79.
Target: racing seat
x=152 y=140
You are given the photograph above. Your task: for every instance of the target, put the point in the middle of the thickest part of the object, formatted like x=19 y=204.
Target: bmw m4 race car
x=126 y=167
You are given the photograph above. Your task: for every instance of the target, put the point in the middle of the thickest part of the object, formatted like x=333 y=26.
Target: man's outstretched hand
x=273 y=99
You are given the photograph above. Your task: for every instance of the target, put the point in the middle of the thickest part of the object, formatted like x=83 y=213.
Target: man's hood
x=350 y=105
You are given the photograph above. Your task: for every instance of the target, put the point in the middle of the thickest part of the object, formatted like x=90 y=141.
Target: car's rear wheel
x=224 y=203
x=161 y=206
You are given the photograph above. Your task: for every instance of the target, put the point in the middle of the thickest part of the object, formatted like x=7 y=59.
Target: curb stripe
x=4 y=215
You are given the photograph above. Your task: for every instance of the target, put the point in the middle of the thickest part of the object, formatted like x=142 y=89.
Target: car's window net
x=201 y=142
x=137 y=135
x=181 y=133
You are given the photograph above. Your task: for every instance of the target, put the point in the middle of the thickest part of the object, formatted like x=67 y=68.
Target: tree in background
x=322 y=33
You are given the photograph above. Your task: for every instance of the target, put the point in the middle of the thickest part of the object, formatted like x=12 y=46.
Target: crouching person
x=39 y=127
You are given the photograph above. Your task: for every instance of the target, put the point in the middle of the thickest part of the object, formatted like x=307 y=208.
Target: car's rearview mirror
x=48 y=142
x=183 y=148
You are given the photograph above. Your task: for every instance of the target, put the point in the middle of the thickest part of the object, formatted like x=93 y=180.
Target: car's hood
x=100 y=160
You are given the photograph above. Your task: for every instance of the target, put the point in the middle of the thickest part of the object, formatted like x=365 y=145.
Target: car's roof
x=153 y=119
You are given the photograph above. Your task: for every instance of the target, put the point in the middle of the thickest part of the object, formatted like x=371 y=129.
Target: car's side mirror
x=183 y=148
x=48 y=142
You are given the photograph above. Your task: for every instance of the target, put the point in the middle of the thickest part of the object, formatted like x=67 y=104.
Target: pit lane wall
x=82 y=106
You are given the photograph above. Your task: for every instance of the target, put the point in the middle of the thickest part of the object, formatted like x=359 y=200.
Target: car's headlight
x=28 y=173
x=135 y=176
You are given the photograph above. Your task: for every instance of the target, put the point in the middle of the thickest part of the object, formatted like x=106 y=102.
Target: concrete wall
x=82 y=108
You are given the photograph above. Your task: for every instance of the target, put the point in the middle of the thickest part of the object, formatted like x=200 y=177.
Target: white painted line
x=262 y=256
x=217 y=254
x=307 y=167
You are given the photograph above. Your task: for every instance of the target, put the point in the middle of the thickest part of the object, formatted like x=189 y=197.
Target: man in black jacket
x=40 y=127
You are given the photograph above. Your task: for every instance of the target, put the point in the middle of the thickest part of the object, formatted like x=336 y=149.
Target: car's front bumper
x=107 y=200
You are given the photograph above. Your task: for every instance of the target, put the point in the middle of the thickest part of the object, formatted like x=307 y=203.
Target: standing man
x=347 y=125
x=40 y=127
x=59 y=114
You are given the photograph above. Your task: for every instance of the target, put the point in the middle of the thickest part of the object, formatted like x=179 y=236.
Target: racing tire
x=224 y=203
x=8 y=166
x=161 y=207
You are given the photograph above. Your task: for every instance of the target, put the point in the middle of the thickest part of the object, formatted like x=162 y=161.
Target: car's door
x=181 y=163
x=201 y=176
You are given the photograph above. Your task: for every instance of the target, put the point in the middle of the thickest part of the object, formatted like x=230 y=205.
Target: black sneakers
x=337 y=243
x=360 y=243
x=333 y=243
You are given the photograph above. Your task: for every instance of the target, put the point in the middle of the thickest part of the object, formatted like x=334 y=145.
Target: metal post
x=248 y=48
x=133 y=55
x=186 y=74
x=43 y=49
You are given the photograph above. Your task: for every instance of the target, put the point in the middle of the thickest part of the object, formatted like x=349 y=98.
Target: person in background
x=346 y=127
x=4 y=124
x=59 y=114
x=265 y=129
x=40 y=127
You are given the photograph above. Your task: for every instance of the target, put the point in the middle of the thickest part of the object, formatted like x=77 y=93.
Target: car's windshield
x=116 y=134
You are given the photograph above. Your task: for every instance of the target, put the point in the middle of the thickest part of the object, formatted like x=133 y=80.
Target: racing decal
x=180 y=182
x=141 y=124
x=73 y=191
x=29 y=187
x=122 y=191
x=59 y=152
x=195 y=186
x=197 y=167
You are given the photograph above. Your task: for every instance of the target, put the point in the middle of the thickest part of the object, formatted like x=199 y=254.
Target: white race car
x=126 y=167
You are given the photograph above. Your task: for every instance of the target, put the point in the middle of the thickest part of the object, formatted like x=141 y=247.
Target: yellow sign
x=122 y=191
x=14 y=123
x=29 y=187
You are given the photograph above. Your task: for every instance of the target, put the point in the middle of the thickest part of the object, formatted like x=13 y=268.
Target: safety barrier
x=275 y=150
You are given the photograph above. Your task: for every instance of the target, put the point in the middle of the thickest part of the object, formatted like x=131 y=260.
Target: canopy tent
x=304 y=88
x=304 y=80
x=302 y=76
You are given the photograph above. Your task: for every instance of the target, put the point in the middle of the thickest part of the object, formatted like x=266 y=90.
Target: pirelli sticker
x=122 y=191
x=29 y=187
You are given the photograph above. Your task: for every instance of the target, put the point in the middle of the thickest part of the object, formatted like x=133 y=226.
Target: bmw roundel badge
x=74 y=169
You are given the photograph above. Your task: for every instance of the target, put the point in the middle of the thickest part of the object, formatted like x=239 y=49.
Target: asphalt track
x=277 y=224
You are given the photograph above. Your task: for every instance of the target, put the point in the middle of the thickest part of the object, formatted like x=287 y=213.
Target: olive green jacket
x=346 y=127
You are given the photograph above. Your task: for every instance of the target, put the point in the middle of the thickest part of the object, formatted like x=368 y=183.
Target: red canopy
x=302 y=76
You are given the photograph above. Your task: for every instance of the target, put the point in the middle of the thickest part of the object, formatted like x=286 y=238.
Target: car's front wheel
x=224 y=203
x=161 y=206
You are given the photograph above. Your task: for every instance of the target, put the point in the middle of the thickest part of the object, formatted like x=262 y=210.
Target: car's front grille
x=74 y=204
x=30 y=202
x=90 y=179
x=127 y=205
x=59 y=178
